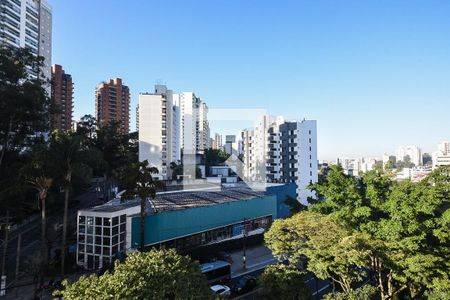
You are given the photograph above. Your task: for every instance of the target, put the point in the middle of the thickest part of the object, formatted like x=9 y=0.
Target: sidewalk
x=257 y=258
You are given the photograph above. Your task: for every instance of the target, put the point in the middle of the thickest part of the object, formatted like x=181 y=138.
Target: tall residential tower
x=62 y=97
x=194 y=125
x=280 y=151
x=28 y=24
x=159 y=141
x=112 y=103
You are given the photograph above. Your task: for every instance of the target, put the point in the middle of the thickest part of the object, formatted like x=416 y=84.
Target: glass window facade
x=218 y=234
x=99 y=239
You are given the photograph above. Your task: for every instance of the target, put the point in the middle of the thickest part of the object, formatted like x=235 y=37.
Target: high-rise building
x=217 y=142
x=62 y=97
x=203 y=136
x=194 y=125
x=256 y=145
x=441 y=157
x=159 y=130
x=113 y=104
x=137 y=117
x=28 y=24
x=413 y=152
x=280 y=151
x=298 y=156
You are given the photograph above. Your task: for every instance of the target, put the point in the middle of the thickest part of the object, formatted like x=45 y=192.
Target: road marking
x=308 y=280
x=321 y=290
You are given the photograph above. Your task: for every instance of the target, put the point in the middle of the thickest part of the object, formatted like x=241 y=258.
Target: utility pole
x=18 y=255
x=5 y=252
x=19 y=241
x=244 y=246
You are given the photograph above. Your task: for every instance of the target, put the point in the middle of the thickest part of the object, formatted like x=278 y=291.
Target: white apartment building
x=441 y=157
x=355 y=166
x=414 y=153
x=217 y=142
x=28 y=23
x=194 y=126
x=255 y=147
x=280 y=151
x=159 y=129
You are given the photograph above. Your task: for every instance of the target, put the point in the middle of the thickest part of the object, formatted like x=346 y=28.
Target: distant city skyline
x=373 y=74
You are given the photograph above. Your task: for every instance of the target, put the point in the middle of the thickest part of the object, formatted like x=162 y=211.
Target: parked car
x=222 y=255
x=222 y=291
x=244 y=285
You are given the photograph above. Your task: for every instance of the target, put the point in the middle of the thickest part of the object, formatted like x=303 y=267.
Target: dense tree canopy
x=150 y=275
x=24 y=114
x=283 y=282
x=397 y=233
x=24 y=103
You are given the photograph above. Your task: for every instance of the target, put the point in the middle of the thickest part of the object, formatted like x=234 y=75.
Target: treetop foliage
x=396 y=233
x=158 y=274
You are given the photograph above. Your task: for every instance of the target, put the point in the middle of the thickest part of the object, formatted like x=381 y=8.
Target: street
x=31 y=245
x=257 y=259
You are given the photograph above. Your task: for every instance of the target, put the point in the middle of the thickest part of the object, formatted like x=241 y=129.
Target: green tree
x=366 y=292
x=24 y=103
x=69 y=157
x=87 y=127
x=162 y=274
x=389 y=166
x=283 y=282
x=38 y=173
x=24 y=111
x=294 y=205
x=177 y=170
x=404 y=228
x=140 y=182
x=332 y=251
x=344 y=198
x=214 y=157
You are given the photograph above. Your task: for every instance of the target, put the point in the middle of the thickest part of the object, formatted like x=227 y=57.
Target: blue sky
x=374 y=74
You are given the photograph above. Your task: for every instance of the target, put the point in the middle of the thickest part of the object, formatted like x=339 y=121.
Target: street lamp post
x=244 y=257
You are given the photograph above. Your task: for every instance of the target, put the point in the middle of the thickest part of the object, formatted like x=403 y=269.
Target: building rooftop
x=168 y=201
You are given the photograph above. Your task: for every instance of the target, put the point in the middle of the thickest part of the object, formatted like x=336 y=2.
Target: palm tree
x=68 y=157
x=37 y=173
x=42 y=185
x=142 y=183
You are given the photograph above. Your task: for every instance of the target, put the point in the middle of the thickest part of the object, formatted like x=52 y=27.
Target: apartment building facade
x=280 y=151
x=217 y=142
x=62 y=97
x=112 y=103
x=28 y=24
x=194 y=125
x=159 y=141
x=413 y=152
x=441 y=157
